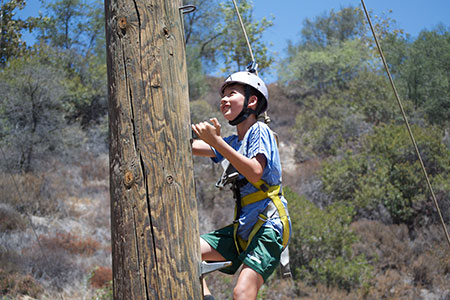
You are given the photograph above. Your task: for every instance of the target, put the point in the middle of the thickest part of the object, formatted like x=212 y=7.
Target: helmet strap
x=246 y=112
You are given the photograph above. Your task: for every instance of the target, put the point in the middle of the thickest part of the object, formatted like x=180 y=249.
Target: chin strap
x=246 y=112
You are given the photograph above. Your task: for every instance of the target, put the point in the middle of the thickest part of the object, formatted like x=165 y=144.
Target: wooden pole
x=154 y=222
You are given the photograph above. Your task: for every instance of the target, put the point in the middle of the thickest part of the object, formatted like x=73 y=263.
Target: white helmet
x=248 y=78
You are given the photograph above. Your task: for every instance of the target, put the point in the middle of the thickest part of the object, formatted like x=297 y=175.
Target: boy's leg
x=211 y=254
x=248 y=284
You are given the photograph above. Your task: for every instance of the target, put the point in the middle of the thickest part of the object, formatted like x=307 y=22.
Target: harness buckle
x=226 y=179
x=264 y=188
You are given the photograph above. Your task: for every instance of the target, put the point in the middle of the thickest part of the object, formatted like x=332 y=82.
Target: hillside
x=68 y=206
x=364 y=225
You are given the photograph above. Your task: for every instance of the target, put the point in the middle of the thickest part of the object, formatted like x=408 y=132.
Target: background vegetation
x=364 y=226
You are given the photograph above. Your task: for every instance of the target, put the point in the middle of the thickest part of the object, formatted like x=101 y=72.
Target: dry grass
x=12 y=284
x=71 y=243
x=407 y=263
x=28 y=193
x=10 y=219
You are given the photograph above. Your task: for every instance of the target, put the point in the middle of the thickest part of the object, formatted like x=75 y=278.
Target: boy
x=261 y=228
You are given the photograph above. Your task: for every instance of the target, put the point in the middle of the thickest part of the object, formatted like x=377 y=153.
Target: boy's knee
x=239 y=292
x=244 y=292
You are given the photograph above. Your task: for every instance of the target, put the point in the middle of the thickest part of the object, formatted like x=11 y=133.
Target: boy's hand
x=207 y=132
x=216 y=125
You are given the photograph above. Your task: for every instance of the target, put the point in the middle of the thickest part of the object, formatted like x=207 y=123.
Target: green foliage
x=214 y=30
x=318 y=71
x=11 y=43
x=196 y=74
x=339 y=272
x=335 y=27
x=104 y=293
x=234 y=51
x=427 y=74
x=73 y=39
x=321 y=245
x=420 y=69
x=75 y=24
x=387 y=173
x=324 y=125
x=336 y=78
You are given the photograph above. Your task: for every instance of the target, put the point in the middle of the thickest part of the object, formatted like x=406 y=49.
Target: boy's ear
x=252 y=102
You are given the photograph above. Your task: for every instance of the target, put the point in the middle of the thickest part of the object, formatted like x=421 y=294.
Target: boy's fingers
x=194 y=127
x=215 y=122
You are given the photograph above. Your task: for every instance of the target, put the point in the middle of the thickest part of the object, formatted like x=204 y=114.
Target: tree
x=314 y=72
x=32 y=115
x=63 y=28
x=386 y=175
x=232 y=45
x=74 y=30
x=427 y=74
x=335 y=27
x=215 y=32
x=335 y=77
x=11 y=43
x=321 y=248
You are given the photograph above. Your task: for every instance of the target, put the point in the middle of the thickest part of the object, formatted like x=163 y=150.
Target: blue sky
x=410 y=15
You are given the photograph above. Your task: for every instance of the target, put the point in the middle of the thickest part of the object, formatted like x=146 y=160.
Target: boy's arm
x=250 y=168
x=200 y=148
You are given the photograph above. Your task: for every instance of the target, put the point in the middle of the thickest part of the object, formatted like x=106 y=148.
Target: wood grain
x=155 y=239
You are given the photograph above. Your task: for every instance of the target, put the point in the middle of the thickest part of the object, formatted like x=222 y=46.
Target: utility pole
x=154 y=221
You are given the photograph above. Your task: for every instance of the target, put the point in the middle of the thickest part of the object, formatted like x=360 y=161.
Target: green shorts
x=262 y=255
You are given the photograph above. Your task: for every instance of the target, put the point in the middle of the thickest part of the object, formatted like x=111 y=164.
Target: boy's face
x=232 y=101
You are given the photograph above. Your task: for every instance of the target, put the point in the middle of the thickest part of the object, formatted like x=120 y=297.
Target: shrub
x=70 y=243
x=33 y=195
x=104 y=293
x=386 y=173
x=10 y=219
x=100 y=277
x=13 y=284
x=321 y=245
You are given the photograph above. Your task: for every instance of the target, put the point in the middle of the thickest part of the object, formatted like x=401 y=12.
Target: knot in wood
x=128 y=179
x=123 y=23
x=166 y=32
x=169 y=179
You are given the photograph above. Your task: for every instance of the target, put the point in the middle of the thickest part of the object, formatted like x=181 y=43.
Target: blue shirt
x=258 y=139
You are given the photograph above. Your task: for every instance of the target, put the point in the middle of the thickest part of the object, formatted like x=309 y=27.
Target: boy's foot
x=208 y=297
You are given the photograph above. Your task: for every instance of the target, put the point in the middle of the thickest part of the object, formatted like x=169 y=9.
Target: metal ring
x=187 y=9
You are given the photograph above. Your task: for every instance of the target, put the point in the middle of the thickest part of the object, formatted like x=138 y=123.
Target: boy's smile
x=232 y=101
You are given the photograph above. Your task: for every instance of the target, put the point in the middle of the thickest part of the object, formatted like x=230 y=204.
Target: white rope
x=244 y=31
x=264 y=117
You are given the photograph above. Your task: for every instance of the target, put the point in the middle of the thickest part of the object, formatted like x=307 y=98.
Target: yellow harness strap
x=264 y=191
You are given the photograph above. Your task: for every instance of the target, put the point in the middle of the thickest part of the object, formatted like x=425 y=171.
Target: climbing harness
x=413 y=140
x=275 y=209
x=230 y=174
